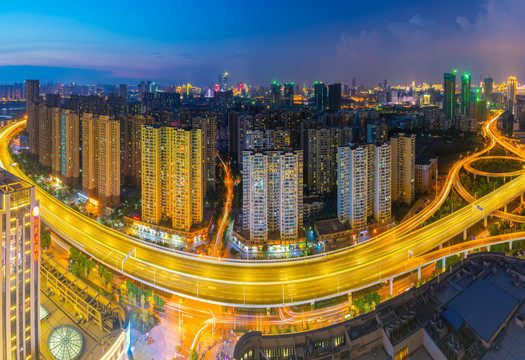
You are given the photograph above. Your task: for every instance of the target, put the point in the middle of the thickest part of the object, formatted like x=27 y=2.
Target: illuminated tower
x=449 y=100
x=403 y=150
x=276 y=94
x=512 y=85
x=465 y=94
x=19 y=298
x=223 y=82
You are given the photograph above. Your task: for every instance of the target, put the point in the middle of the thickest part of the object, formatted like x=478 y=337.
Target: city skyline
x=401 y=42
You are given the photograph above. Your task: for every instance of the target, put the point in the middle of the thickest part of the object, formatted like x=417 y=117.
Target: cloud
x=352 y=46
x=463 y=22
x=416 y=20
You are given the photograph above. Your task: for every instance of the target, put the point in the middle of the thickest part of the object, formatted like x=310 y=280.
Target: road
x=262 y=284
x=229 y=183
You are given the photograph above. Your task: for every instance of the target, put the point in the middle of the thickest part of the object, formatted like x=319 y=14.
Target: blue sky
x=259 y=41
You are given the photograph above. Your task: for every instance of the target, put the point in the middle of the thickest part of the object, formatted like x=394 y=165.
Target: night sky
x=256 y=42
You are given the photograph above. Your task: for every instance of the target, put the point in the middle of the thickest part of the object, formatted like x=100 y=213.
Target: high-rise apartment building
x=382 y=183
x=278 y=139
x=130 y=151
x=512 y=85
x=208 y=124
x=273 y=195
x=449 y=100
x=32 y=98
x=321 y=157
x=364 y=183
x=352 y=185
x=65 y=148
x=172 y=176
x=45 y=121
x=465 y=94
x=19 y=298
x=101 y=158
x=403 y=150
x=108 y=175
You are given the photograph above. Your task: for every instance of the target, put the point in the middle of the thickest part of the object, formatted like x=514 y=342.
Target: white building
x=382 y=185
x=273 y=194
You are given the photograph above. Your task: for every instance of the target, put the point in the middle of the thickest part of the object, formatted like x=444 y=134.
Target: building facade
x=273 y=195
x=403 y=148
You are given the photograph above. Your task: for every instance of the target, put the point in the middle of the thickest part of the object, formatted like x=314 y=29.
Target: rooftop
x=331 y=226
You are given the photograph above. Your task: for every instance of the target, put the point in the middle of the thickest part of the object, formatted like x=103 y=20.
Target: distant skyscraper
x=488 y=88
x=32 y=97
x=275 y=94
x=32 y=90
x=403 y=150
x=320 y=96
x=123 y=91
x=512 y=85
x=449 y=100
x=288 y=95
x=334 y=97
x=19 y=298
x=223 y=82
x=272 y=195
x=465 y=94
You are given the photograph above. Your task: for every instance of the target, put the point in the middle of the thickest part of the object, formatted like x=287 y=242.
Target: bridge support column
x=465 y=253
x=485 y=221
x=505 y=208
x=522 y=197
x=488 y=248
x=391 y=281
x=419 y=273
x=443 y=262
x=440 y=246
x=510 y=245
x=464 y=234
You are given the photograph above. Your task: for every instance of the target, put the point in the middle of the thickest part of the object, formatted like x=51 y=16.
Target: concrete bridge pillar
x=510 y=245
x=505 y=208
x=443 y=262
x=419 y=273
x=465 y=253
x=391 y=281
x=485 y=221
x=440 y=246
x=465 y=234
x=522 y=197
x=488 y=248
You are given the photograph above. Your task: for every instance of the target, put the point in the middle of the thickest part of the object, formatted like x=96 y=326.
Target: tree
x=45 y=239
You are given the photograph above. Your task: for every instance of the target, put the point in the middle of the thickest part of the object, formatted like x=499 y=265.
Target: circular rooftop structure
x=65 y=342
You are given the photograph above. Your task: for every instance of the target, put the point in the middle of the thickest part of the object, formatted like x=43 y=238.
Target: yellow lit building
x=101 y=159
x=65 y=148
x=19 y=299
x=172 y=175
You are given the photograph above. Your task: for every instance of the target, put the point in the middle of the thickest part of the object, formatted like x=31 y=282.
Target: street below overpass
x=262 y=283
